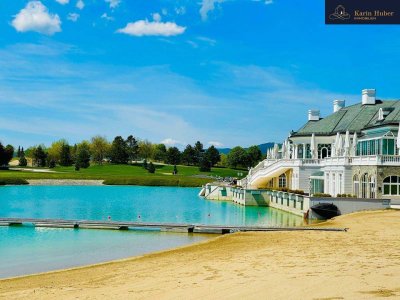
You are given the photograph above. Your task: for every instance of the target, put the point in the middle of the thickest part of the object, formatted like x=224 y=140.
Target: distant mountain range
x=263 y=147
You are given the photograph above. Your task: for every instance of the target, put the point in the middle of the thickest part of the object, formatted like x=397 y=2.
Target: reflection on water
x=133 y=203
x=25 y=250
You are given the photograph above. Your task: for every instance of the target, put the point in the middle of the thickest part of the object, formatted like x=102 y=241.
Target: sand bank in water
x=362 y=263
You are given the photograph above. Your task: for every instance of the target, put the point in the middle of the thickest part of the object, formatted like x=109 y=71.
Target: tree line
x=99 y=150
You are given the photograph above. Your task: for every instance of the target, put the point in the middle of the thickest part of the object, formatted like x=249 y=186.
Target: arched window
x=364 y=186
x=356 y=186
x=372 y=185
x=282 y=180
x=391 y=185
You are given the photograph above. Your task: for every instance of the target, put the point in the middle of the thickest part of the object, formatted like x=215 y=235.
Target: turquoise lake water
x=25 y=250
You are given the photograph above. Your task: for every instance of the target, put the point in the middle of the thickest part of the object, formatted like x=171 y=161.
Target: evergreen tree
x=82 y=156
x=213 y=156
x=22 y=152
x=65 y=155
x=189 y=155
x=205 y=163
x=119 y=151
x=39 y=157
x=19 y=151
x=199 y=150
x=173 y=156
x=151 y=168
x=22 y=161
x=52 y=163
x=175 y=171
x=132 y=148
x=145 y=165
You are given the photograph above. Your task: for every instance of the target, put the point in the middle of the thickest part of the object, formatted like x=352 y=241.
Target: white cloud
x=80 y=4
x=63 y=1
x=211 y=42
x=35 y=17
x=107 y=17
x=113 y=3
x=156 y=17
x=207 y=6
x=164 y=11
x=73 y=17
x=269 y=2
x=171 y=142
x=215 y=144
x=146 y=28
x=181 y=10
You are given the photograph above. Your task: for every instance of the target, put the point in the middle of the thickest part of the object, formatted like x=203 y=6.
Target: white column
x=304 y=151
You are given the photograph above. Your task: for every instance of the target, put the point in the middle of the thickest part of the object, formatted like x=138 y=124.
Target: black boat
x=326 y=210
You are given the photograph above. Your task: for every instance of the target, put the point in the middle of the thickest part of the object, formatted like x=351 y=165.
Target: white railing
x=269 y=166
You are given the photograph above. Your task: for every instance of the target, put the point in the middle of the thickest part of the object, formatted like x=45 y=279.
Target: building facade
x=353 y=151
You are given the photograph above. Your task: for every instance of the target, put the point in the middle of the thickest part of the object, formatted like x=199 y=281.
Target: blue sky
x=233 y=72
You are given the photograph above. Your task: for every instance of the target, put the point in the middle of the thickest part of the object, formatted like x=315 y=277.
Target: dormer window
x=383 y=113
x=380 y=115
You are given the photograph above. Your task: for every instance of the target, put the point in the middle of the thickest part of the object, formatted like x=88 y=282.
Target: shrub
x=321 y=195
x=158 y=181
x=13 y=181
x=23 y=161
x=151 y=168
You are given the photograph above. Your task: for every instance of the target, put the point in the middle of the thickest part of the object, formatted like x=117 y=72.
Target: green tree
x=212 y=155
x=22 y=161
x=82 y=156
x=151 y=168
x=6 y=154
x=65 y=155
x=145 y=164
x=145 y=149
x=175 y=171
x=160 y=152
x=237 y=157
x=205 y=163
x=254 y=155
x=199 y=150
x=52 y=163
x=19 y=151
x=173 y=156
x=189 y=155
x=55 y=150
x=39 y=156
x=132 y=148
x=99 y=148
x=119 y=151
x=224 y=161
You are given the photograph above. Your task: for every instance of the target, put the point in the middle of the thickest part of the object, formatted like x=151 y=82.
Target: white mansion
x=355 y=150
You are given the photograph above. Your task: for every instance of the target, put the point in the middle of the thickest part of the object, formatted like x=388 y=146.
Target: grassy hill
x=125 y=174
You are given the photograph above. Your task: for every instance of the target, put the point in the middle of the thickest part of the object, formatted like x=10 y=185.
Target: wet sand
x=363 y=263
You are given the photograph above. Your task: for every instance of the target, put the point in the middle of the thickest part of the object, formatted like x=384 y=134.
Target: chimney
x=368 y=96
x=338 y=105
x=313 y=115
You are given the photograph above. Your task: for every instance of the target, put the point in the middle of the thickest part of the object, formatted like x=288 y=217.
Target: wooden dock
x=171 y=227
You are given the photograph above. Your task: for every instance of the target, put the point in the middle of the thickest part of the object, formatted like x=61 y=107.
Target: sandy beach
x=362 y=263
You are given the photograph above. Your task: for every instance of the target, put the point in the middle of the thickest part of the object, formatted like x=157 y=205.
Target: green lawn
x=128 y=174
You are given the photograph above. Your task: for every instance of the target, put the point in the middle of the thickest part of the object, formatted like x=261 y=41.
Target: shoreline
x=348 y=265
x=62 y=182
